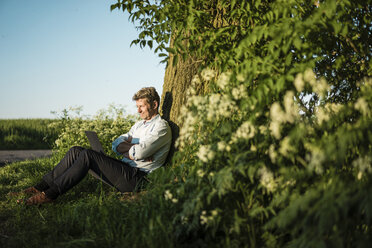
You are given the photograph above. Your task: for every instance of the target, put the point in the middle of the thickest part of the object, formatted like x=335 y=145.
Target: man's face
x=145 y=110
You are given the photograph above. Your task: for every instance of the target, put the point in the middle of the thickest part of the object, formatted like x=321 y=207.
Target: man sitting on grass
x=144 y=149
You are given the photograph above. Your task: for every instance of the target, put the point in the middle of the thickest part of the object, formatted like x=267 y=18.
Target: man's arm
x=122 y=138
x=124 y=146
x=126 y=155
x=151 y=143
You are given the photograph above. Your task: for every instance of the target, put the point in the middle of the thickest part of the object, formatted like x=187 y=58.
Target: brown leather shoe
x=29 y=191
x=37 y=199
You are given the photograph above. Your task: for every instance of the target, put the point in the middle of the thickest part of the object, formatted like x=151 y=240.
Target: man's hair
x=148 y=93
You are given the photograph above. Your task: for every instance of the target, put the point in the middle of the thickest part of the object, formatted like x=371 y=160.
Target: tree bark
x=177 y=80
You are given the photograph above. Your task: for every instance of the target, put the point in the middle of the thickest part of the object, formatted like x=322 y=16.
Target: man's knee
x=76 y=149
x=88 y=154
x=75 y=152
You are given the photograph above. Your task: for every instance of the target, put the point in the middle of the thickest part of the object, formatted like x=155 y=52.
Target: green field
x=18 y=134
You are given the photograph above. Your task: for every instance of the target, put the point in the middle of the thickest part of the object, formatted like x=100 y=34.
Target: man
x=144 y=149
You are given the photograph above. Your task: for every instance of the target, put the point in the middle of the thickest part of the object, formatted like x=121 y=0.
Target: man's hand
x=124 y=147
x=126 y=155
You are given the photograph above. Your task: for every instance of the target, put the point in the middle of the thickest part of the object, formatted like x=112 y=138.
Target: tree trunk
x=177 y=80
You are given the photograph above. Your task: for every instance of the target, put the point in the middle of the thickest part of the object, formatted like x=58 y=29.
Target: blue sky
x=58 y=54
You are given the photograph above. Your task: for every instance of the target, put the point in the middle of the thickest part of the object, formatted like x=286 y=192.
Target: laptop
x=94 y=141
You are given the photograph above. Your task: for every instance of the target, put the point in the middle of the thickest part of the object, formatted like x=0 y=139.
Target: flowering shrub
x=277 y=152
x=276 y=156
x=271 y=166
x=107 y=123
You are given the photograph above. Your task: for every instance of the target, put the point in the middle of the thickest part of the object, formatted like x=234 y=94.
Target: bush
x=107 y=123
x=278 y=152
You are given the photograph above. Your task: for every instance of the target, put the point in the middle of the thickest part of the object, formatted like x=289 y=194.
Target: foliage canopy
x=278 y=153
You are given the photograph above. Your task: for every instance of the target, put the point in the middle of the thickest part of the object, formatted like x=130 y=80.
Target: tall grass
x=16 y=134
x=90 y=215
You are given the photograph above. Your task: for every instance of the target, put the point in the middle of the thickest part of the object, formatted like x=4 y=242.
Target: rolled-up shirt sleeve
x=151 y=143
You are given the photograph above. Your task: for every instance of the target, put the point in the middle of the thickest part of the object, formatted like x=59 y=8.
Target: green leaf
x=142 y=35
x=149 y=43
x=142 y=43
x=175 y=60
x=114 y=6
x=233 y=2
x=257 y=3
x=170 y=50
x=135 y=42
x=297 y=43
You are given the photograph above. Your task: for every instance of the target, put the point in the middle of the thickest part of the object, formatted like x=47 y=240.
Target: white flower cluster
x=299 y=82
x=291 y=108
x=223 y=80
x=222 y=146
x=206 y=153
x=280 y=116
x=197 y=101
x=207 y=74
x=316 y=159
x=262 y=129
x=272 y=153
x=267 y=179
x=169 y=196
x=363 y=165
x=195 y=80
x=245 y=132
x=189 y=119
x=362 y=106
x=239 y=92
x=320 y=87
x=195 y=83
x=199 y=108
x=205 y=219
x=240 y=77
x=324 y=113
x=219 y=106
x=184 y=220
x=286 y=147
x=200 y=173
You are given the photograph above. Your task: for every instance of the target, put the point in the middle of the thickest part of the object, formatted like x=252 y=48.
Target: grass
x=90 y=215
x=17 y=134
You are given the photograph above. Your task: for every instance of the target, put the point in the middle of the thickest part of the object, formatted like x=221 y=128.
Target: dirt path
x=7 y=156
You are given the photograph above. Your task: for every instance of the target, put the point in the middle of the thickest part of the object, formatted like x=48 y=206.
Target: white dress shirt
x=152 y=141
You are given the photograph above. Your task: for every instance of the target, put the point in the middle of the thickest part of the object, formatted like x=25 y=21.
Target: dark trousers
x=79 y=161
